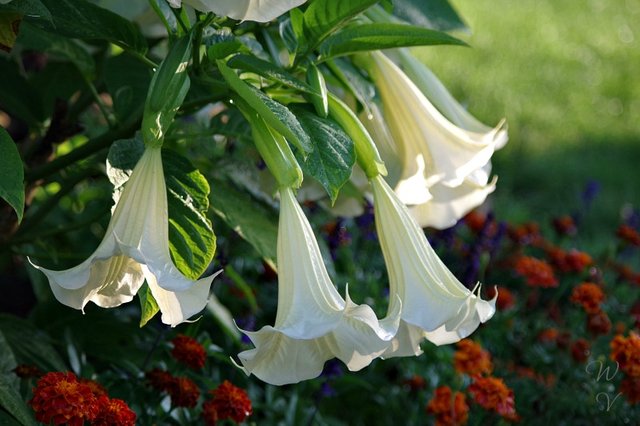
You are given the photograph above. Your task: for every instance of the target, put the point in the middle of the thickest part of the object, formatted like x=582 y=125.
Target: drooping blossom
x=135 y=247
x=243 y=10
x=313 y=322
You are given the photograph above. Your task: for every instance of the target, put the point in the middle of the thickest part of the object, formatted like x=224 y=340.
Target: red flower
x=599 y=323
x=415 y=383
x=528 y=233
x=565 y=225
x=506 y=298
x=183 y=392
x=491 y=393
x=538 y=273
x=96 y=388
x=626 y=352
x=580 y=350
x=589 y=295
x=59 y=398
x=229 y=402
x=471 y=359
x=27 y=371
x=628 y=234
x=548 y=335
x=159 y=380
x=568 y=261
x=630 y=388
x=450 y=408
x=114 y=412
x=188 y=351
x=475 y=220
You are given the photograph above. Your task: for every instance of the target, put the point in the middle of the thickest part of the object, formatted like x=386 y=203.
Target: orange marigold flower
x=97 y=389
x=599 y=323
x=528 y=233
x=159 y=380
x=450 y=408
x=506 y=298
x=626 y=352
x=548 y=335
x=580 y=350
x=630 y=388
x=568 y=261
x=565 y=225
x=27 y=371
x=491 y=393
x=589 y=295
x=60 y=398
x=188 y=351
x=183 y=392
x=471 y=359
x=538 y=273
x=629 y=234
x=229 y=402
x=114 y=412
x=475 y=220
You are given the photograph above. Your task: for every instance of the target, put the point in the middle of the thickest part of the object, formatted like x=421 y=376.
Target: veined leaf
x=11 y=174
x=270 y=71
x=84 y=20
x=323 y=17
x=382 y=36
x=251 y=219
x=435 y=14
x=333 y=157
x=148 y=305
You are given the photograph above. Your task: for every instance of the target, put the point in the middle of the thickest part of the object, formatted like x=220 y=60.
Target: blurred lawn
x=566 y=75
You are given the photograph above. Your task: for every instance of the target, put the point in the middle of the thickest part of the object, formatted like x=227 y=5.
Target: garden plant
x=274 y=212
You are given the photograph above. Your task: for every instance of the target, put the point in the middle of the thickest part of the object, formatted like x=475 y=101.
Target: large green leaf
x=9 y=25
x=30 y=345
x=270 y=71
x=33 y=38
x=323 y=17
x=12 y=402
x=85 y=20
x=251 y=219
x=191 y=238
x=274 y=113
x=148 y=305
x=435 y=14
x=333 y=157
x=127 y=81
x=32 y=8
x=11 y=174
x=377 y=36
x=192 y=242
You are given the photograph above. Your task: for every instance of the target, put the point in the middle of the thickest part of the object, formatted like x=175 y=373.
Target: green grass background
x=566 y=75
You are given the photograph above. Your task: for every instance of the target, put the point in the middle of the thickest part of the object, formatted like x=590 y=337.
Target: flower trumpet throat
x=135 y=247
x=313 y=322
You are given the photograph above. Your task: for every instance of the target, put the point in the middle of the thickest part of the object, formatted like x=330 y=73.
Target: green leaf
x=7 y=360
x=11 y=174
x=127 y=81
x=30 y=345
x=9 y=24
x=12 y=402
x=84 y=20
x=192 y=241
x=323 y=17
x=274 y=113
x=33 y=38
x=17 y=96
x=32 y=8
x=435 y=14
x=254 y=221
x=270 y=71
x=148 y=305
x=122 y=158
x=382 y=36
x=333 y=157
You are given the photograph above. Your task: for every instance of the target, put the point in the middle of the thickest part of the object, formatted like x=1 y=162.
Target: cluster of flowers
x=61 y=398
x=626 y=352
x=438 y=159
x=489 y=392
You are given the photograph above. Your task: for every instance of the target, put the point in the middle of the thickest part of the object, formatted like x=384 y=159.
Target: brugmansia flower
x=435 y=304
x=313 y=323
x=444 y=163
x=243 y=10
x=134 y=248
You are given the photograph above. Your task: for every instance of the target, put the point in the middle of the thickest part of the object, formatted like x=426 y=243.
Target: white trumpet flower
x=135 y=247
x=243 y=10
x=435 y=304
x=313 y=322
x=442 y=164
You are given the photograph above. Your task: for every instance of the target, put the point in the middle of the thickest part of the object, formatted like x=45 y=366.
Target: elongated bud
x=273 y=148
x=168 y=88
x=366 y=152
x=315 y=79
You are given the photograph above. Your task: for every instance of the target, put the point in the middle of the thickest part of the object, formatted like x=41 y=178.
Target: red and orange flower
x=228 y=402
x=589 y=295
x=188 y=351
x=626 y=352
x=537 y=273
x=471 y=359
x=450 y=408
x=492 y=394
